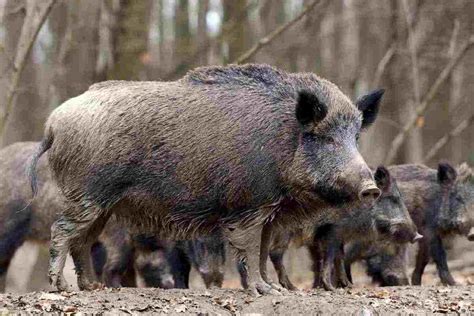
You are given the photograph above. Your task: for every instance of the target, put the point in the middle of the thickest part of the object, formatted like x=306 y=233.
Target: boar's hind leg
x=439 y=256
x=75 y=232
x=247 y=246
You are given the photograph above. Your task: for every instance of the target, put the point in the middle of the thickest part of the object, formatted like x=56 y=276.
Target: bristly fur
x=205 y=104
x=221 y=147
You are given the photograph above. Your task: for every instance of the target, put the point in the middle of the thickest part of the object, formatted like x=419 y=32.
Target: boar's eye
x=327 y=139
x=357 y=137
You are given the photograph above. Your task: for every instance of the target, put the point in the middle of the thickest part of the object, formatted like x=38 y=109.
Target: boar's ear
x=383 y=179
x=446 y=173
x=369 y=106
x=309 y=109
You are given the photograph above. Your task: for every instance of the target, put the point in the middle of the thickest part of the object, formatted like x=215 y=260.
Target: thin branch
x=426 y=101
x=382 y=65
x=35 y=17
x=279 y=30
x=444 y=140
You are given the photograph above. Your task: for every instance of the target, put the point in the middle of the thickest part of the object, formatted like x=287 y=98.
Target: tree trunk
x=132 y=41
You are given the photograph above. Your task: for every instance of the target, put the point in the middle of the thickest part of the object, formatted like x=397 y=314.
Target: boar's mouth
x=334 y=196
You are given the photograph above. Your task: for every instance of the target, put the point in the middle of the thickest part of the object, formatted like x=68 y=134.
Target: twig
x=278 y=31
x=382 y=65
x=35 y=17
x=444 y=140
x=426 y=101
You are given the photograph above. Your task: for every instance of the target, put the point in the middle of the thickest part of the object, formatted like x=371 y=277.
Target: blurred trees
x=401 y=45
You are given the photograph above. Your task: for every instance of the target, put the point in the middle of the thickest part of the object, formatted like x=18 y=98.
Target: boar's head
x=392 y=218
x=327 y=161
x=457 y=199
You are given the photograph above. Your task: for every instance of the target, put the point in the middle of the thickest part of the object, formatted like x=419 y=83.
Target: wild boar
x=222 y=148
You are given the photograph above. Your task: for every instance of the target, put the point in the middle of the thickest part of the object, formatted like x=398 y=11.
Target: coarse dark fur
x=224 y=147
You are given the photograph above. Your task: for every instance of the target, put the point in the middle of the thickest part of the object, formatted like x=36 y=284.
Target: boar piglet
x=222 y=148
x=387 y=221
x=387 y=262
x=206 y=254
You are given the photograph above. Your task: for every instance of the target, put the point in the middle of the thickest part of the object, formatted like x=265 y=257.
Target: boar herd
x=150 y=179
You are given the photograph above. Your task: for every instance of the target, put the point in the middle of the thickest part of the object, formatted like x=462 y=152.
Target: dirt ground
x=357 y=301
x=29 y=293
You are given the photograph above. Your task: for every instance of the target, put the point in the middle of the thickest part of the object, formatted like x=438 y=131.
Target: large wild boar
x=224 y=147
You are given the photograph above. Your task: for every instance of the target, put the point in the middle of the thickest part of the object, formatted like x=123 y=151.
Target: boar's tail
x=42 y=148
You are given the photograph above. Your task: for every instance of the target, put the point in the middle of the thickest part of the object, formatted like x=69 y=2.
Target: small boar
x=129 y=257
x=223 y=148
x=387 y=262
x=441 y=203
x=387 y=221
x=206 y=254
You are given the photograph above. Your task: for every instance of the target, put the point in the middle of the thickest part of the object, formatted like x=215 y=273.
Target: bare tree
x=34 y=18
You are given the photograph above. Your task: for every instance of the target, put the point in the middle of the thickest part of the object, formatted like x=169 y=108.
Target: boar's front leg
x=439 y=256
x=422 y=259
x=341 y=274
x=274 y=244
x=247 y=245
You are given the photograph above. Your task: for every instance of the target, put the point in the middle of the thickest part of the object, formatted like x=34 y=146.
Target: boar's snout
x=470 y=235
x=167 y=282
x=417 y=237
x=369 y=193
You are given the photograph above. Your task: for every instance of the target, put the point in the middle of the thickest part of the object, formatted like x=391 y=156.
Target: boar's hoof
x=59 y=282
x=344 y=282
x=287 y=285
x=90 y=286
x=279 y=288
x=328 y=286
x=262 y=288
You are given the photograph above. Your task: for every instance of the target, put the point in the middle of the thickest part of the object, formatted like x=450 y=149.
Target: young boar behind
x=222 y=147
